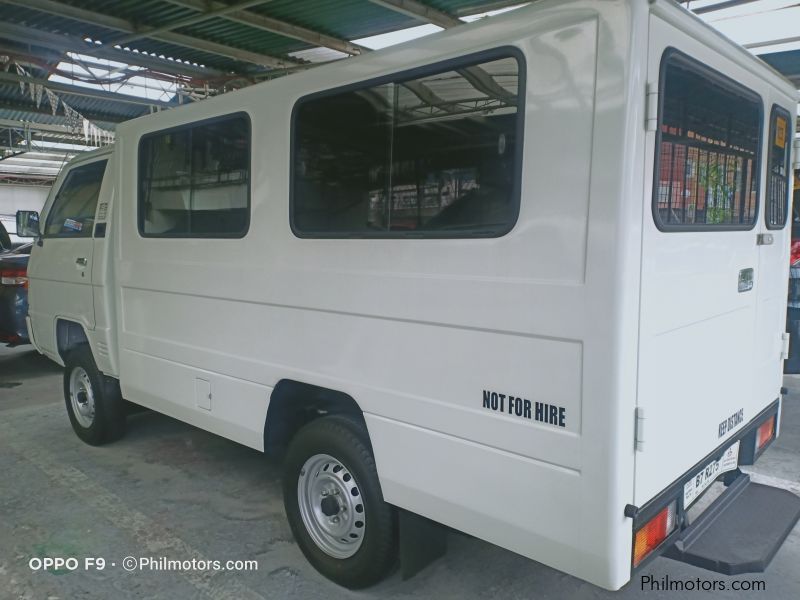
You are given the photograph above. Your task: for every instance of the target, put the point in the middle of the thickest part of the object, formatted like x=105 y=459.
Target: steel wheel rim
x=331 y=506
x=81 y=397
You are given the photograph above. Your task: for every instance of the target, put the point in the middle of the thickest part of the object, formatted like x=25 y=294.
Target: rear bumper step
x=740 y=531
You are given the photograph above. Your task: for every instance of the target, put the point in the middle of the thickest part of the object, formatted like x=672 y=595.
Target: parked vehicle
x=792 y=365
x=5 y=239
x=11 y=239
x=14 y=295
x=525 y=278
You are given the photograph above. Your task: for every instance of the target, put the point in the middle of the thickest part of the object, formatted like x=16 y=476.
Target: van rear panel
x=714 y=267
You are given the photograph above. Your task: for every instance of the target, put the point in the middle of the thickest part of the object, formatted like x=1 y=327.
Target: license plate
x=707 y=475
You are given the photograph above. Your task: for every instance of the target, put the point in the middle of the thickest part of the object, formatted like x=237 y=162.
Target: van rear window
x=431 y=153
x=780 y=139
x=707 y=149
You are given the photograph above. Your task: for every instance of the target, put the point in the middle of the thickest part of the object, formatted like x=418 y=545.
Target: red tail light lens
x=652 y=533
x=794 y=258
x=16 y=277
x=765 y=433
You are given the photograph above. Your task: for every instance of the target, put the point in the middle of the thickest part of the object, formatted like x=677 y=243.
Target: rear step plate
x=740 y=531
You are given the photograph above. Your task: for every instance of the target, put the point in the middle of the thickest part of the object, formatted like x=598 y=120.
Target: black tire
x=347 y=441
x=108 y=423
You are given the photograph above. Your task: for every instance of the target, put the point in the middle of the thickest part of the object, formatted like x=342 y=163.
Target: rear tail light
x=794 y=259
x=765 y=433
x=654 y=532
x=9 y=338
x=16 y=277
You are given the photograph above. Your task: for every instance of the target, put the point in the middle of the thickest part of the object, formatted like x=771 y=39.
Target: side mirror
x=28 y=223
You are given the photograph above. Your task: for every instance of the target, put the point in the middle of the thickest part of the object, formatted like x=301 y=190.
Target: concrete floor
x=168 y=489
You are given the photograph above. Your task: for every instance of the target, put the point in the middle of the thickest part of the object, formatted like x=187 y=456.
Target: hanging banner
x=75 y=120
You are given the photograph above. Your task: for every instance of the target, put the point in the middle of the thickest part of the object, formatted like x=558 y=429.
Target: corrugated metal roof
x=346 y=19
x=41 y=44
x=243 y=40
x=16 y=114
x=95 y=109
x=787 y=63
x=48 y=23
x=343 y=19
x=229 y=33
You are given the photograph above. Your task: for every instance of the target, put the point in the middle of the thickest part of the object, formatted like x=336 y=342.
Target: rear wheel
x=94 y=404
x=334 y=503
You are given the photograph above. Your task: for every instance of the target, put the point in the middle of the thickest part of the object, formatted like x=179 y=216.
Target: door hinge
x=638 y=435
x=785 y=337
x=651 y=107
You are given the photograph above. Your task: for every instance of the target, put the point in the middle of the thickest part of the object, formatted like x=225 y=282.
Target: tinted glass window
x=707 y=155
x=778 y=169
x=74 y=207
x=194 y=180
x=436 y=155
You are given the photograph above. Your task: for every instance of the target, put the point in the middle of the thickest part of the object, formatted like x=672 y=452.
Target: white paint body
x=576 y=306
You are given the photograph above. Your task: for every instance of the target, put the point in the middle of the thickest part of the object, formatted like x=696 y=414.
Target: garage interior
x=70 y=71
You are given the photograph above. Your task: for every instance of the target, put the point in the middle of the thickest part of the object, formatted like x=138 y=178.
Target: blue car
x=14 y=295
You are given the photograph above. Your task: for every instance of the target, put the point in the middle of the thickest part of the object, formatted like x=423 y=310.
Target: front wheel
x=94 y=404
x=334 y=503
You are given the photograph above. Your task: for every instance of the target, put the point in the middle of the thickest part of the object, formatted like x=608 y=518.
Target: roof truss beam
x=258 y=21
x=420 y=11
x=490 y=6
x=43 y=127
x=477 y=77
x=86 y=92
x=719 y=6
x=67 y=43
x=192 y=20
x=103 y=120
x=110 y=22
x=778 y=42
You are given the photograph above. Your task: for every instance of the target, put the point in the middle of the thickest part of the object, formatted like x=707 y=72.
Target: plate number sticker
x=707 y=475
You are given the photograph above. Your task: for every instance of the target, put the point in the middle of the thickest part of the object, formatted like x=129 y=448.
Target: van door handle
x=82 y=262
x=764 y=239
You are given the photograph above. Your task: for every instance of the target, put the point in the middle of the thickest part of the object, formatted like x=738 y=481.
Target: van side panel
x=419 y=331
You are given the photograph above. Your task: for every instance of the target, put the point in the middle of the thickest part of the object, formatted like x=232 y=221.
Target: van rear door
x=773 y=243
x=60 y=269
x=700 y=260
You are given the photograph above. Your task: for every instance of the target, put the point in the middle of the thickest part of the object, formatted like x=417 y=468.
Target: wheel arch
x=69 y=334
x=294 y=404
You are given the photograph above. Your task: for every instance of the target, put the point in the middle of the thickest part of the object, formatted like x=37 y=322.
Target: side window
x=778 y=168
x=74 y=207
x=194 y=180
x=707 y=152
x=435 y=155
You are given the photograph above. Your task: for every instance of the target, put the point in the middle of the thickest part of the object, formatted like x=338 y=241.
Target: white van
x=525 y=278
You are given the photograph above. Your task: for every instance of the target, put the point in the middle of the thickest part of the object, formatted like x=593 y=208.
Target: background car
x=792 y=365
x=10 y=239
x=14 y=295
x=5 y=239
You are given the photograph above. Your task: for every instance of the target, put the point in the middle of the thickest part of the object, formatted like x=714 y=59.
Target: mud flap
x=422 y=541
x=741 y=531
